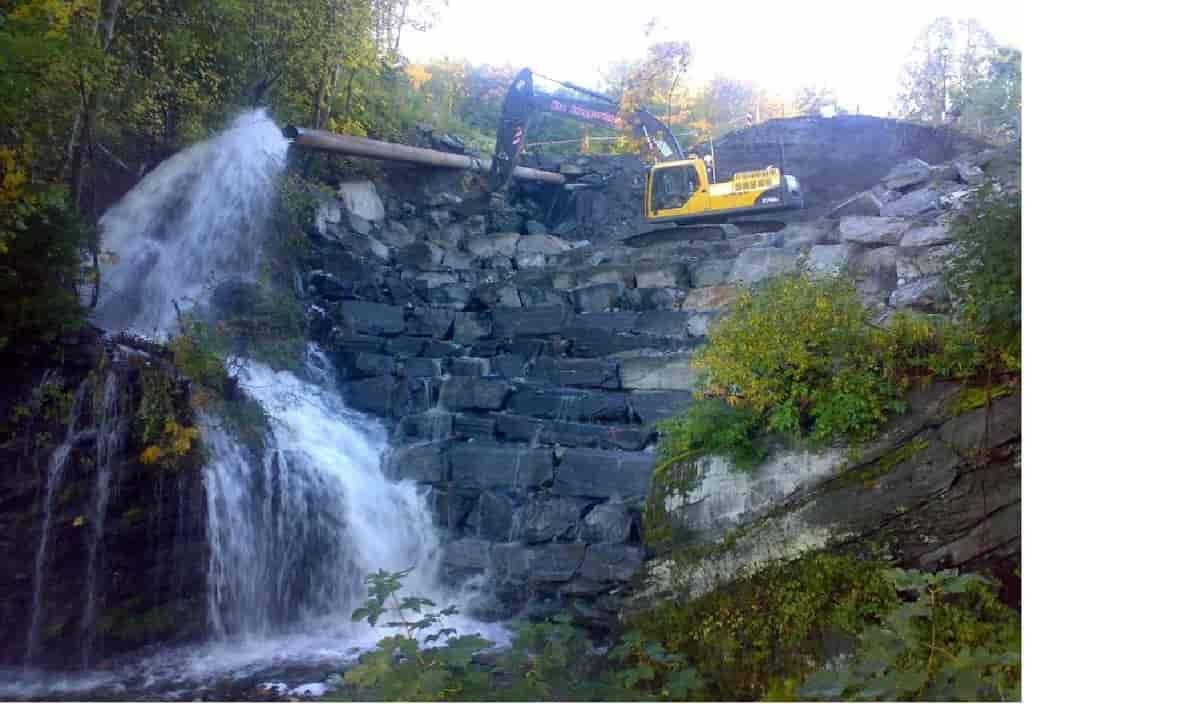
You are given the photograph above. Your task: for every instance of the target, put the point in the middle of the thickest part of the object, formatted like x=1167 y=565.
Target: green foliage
x=747 y=635
x=551 y=660
x=712 y=426
x=42 y=239
x=162 y=424
x=955 y=641
x=802 y=355
x=983 y=274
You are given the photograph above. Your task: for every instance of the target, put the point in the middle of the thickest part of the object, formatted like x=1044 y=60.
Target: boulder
x=802 y=236
x=555 y=562
x=492 y=518
x=651 y=299
x=928 y=236
x=649 y=407
x=545 y=518
x=492 y=295
x=328 y=212
x=502 y=244
x=672 y=276
x=373 y=394
x=872 y=232
x=539 y=297
x=529 y=322
x=464 y=393
x=422 y=367
x=610 y=563
x=395 y=234
x=829 y=258
x=467 y=554
x=875 y=272
x=926 y=262
x=510 y=366
x=423 y=462
x=604 y=473
x=913 y=204
x=928 y=294
x=712 y=272
x=598 y=298
x=658 y=373
x=421 y=255
x=969 y=173
x=865 y=203
x=430 y=322
x=485 y=465
x=592 y=373
x=512 y=562
x=532 y=250
x=361 y=364
x=441 y=348
x=667 y=323
x=372 y=318
x=451 y=506
x=699 y=323
x=567 y=404
x=361 y=199
x=349 y=342
x=474 y=427
x=607 y=523
x=359 y=225
x=711 y=298
x=471 y=327
x=470 y=366
x=758 y=263
x=516 y=428
x=907 y=173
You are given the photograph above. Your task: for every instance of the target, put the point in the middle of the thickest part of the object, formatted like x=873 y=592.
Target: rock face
x=936 y=490
x=122 y=544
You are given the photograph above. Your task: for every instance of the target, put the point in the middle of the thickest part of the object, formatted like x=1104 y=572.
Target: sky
x=857 y=48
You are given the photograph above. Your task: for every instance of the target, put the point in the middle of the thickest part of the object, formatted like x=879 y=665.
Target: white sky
x=856 y=48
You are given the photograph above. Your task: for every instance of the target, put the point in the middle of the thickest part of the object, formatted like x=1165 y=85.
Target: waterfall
x=54 y=474
x=295 y=523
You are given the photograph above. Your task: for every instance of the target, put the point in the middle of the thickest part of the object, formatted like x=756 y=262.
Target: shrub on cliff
x=802 y=355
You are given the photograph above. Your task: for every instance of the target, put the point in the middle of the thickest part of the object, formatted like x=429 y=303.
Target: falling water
x=197 y=218
x=54 y=473
x=295 y=524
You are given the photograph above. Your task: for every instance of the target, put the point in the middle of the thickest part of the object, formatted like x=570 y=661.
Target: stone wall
x=523 y=373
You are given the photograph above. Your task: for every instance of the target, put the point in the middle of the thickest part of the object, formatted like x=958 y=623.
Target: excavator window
x=673 y=186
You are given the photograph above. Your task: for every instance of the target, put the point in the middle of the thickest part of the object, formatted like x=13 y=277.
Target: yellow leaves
x=79 y=521
x=417 y=75
x=151 y=455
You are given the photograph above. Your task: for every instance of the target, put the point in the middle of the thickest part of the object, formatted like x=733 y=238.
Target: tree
x=946 y=59
x=991 y=107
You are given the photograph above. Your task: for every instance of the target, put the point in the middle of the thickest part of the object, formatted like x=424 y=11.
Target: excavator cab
x=677 y=188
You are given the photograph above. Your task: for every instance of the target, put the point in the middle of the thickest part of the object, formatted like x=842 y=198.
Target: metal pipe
x=322 y=141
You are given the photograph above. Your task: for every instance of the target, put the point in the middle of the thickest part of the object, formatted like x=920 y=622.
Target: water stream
x=293 y=525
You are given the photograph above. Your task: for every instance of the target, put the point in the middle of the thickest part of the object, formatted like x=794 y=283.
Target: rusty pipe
x=322 y=141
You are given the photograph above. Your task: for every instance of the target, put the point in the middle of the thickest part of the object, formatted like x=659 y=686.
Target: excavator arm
x=522 y=102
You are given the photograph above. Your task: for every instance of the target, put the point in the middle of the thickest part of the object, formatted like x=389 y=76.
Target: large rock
x=464 y=393
x=829 y=258
x=431 y=322
x=758 y=263
x=610 y=563
x=711 y=298
x=420 y=255
x=875 y=272
x=603 y=474
x=471 y=327
x=499 y=243
x=373 y=318
x=423 y=462
x=484 y=465
x=913 y=204
x=545 y=518
x=594 y=373
x=362 y=364
x=468 y=554
x=492 y=518
x=927 y=295
x=528 y=322
x=669 y=276
x=658 y=373
x=374 y=394
x=872 y=232
x=532 y=250
x=968 y=172
x=926 y=262
x=598 y=298
x=516 y=428
x=361 y=199
x=649 y=407
x=865 y=203
x=907 y=173
x=555 y=562
x=928 y=236
x=607 y=523
x=666 y=323
x=711 y=272
x=801 y=236
x=567 y=404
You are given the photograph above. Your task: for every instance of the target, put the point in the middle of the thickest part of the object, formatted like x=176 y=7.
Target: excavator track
x=662 y=234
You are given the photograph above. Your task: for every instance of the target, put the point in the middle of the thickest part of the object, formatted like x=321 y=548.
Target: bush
x=802 y=355
x=42 y=240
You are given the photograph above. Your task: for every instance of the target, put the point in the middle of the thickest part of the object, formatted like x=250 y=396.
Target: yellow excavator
x=680 y=190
